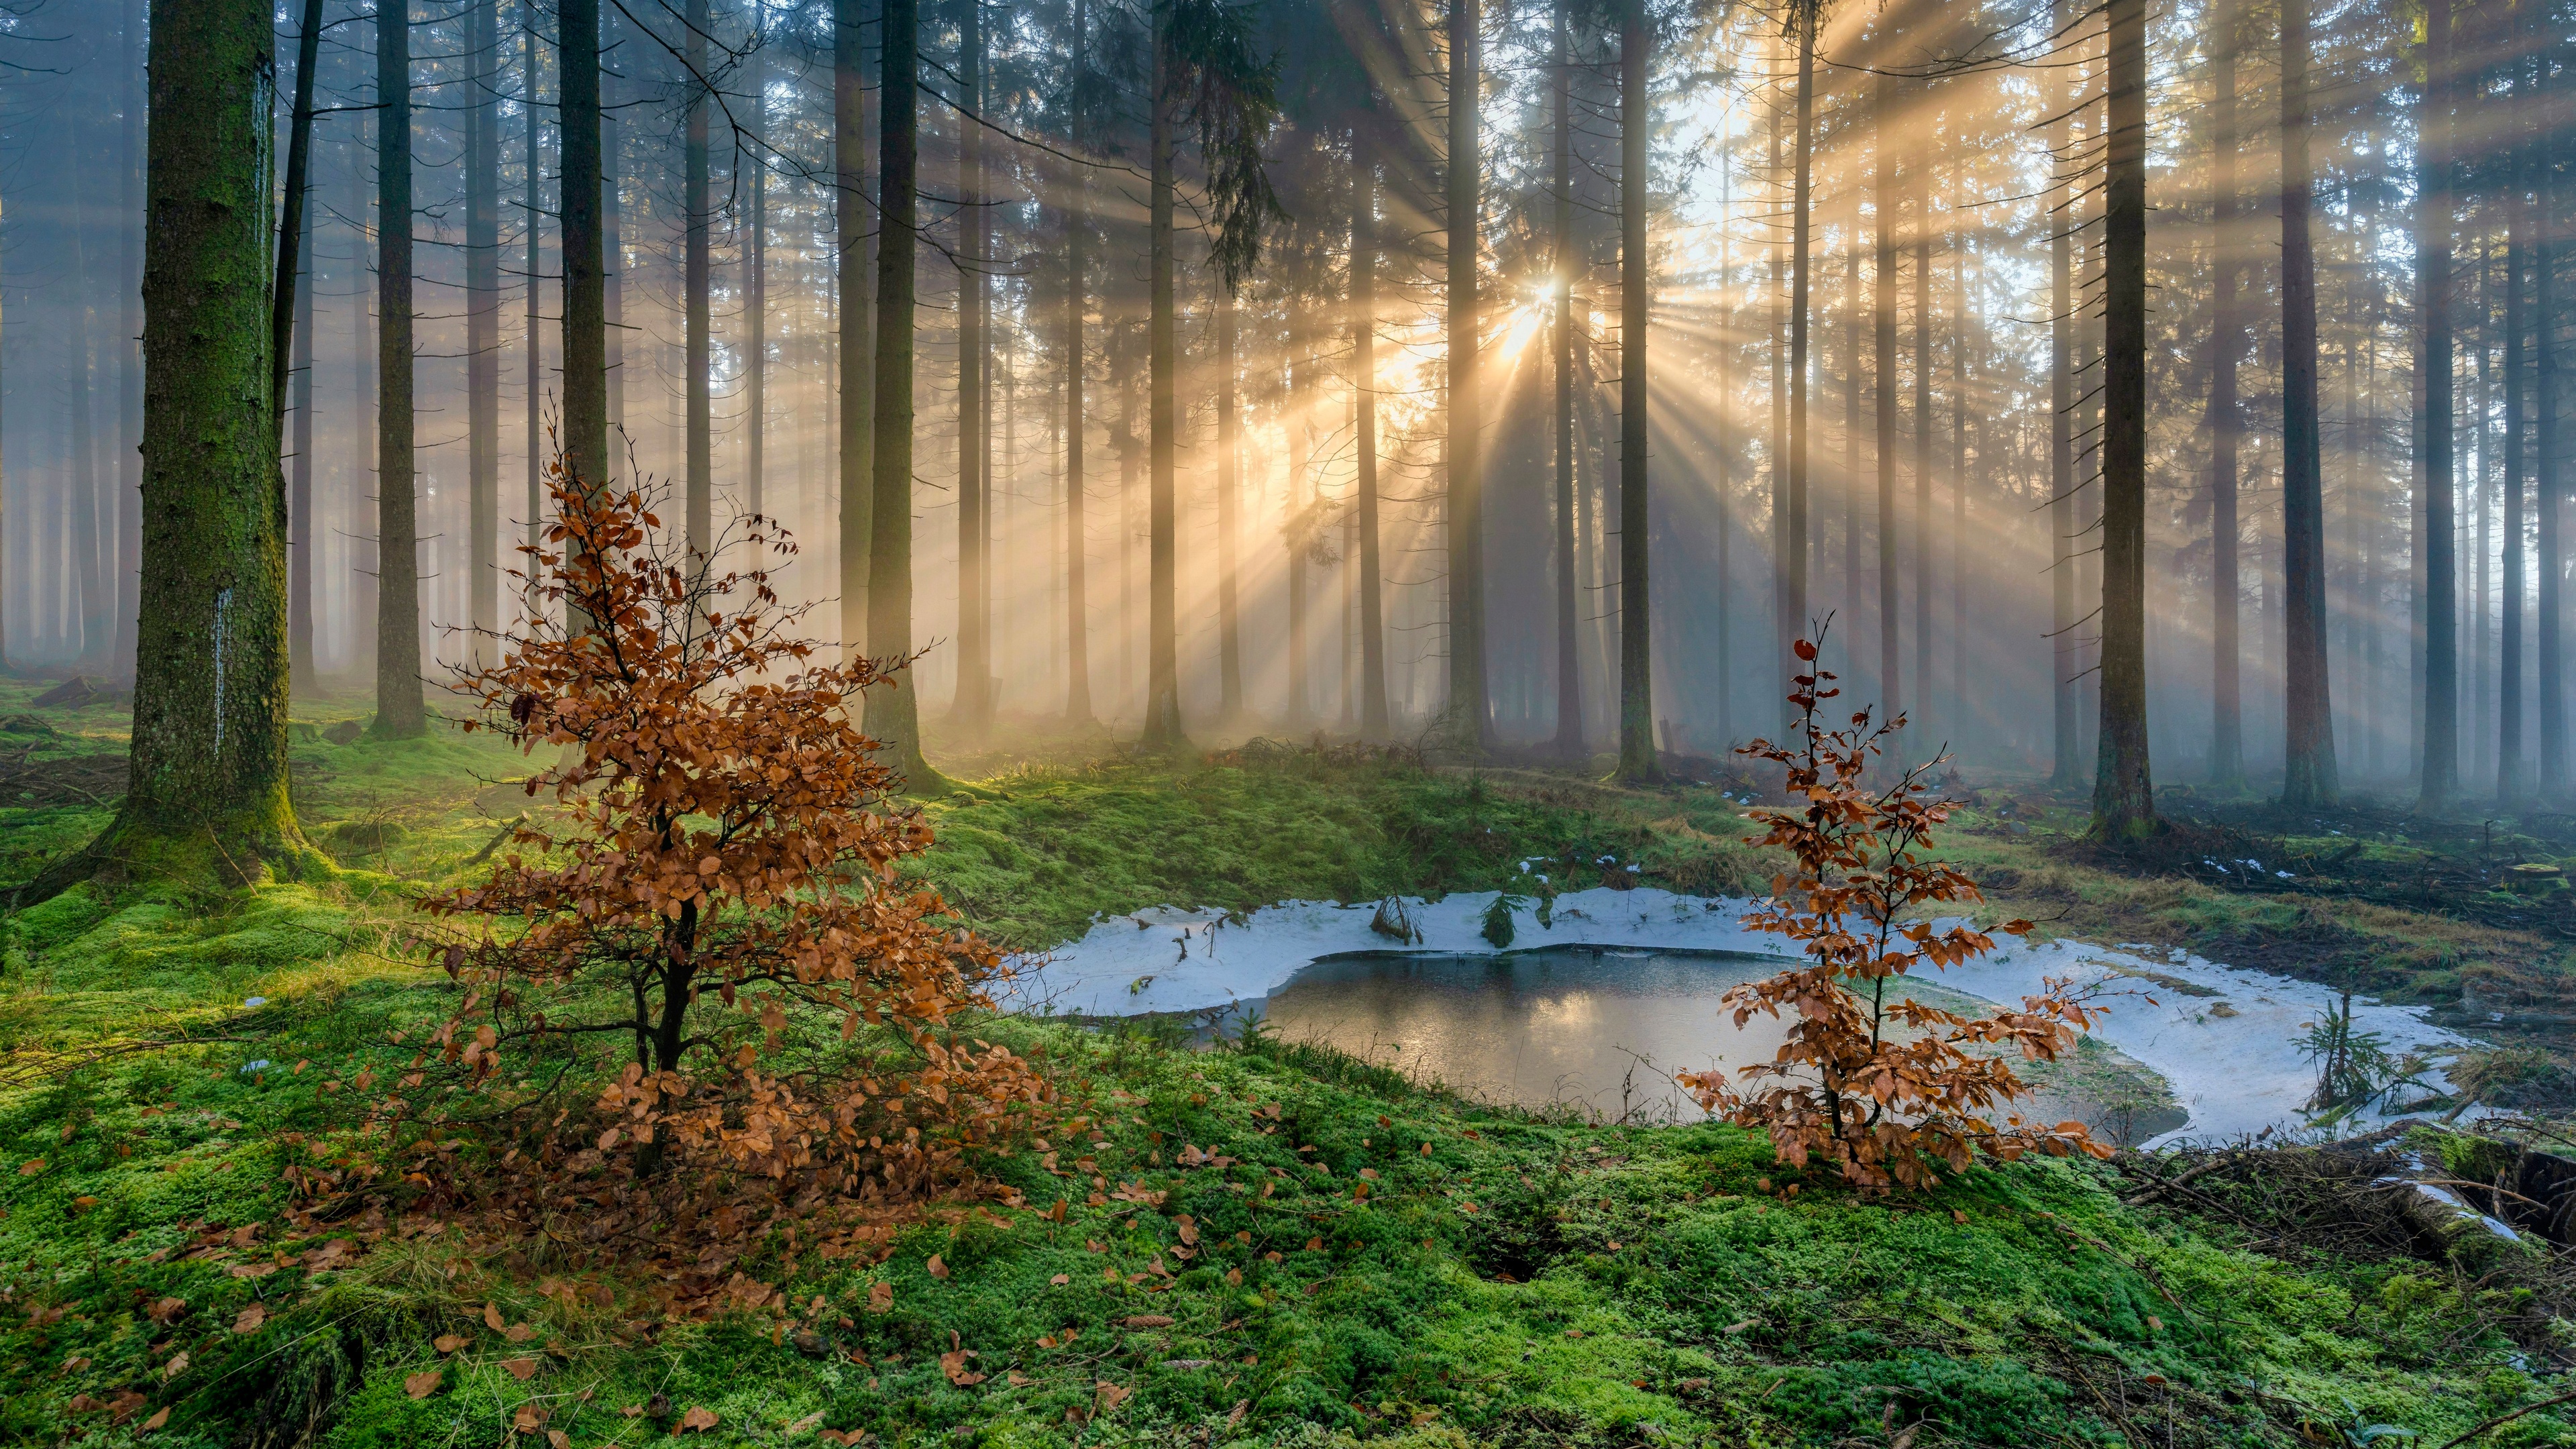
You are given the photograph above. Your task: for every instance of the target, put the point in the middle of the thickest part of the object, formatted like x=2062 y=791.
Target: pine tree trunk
x=400 y=713
x=696 y=269
x=1162 y=730
x=1921 y=533
x=1790 y=527
x=584 y=440
x=2512 y=777
x=483 y=327
x=1637 y=759
x=2440 y=607
x=2550 y=485
x=304 y=537
x=291 y=336
x=755 y=294
x=2310 y=779
x=1077 y=610
x=530 y=110
x=1470 y=718
x=2226 y=423
x=893 y=714
x=971 y=712
x=129 y=492
x=853 y=218
x=1883 y=383
x=1569 y=616
x=206 y=795
x=2066 y=747
x=2124 y=803
x=1373 y=721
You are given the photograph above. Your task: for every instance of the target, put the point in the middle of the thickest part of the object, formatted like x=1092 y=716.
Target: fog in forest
x=1954 y=267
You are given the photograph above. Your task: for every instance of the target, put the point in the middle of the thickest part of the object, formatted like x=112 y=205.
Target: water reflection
x=1602 y=1031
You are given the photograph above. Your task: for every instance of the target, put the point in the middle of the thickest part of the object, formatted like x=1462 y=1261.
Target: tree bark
x=1077 y=613
x=1883 y=384
x=1790 y=526
x=972 y=711
x=1374 y=723
x=893 y=715
x=2226 y=422
x=303 y=537
x=2124 y=803
x=755 y=289
x=2066 y=772
x=2512 y=776
x=207 y=777
x=853 y=220
x=483 y=328
x=2550 y=485
x=1471 y=720
x=1162 y=730
x=2309 y=781
x=696 y=267
x=1569 y=617
x=2441 y=739
x=1229 y=486
x=1637 y=759
x=400 y=713
x=529 y=111
x=585 y=269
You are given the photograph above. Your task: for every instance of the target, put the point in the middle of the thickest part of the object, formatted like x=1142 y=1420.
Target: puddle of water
x=1601 y=1031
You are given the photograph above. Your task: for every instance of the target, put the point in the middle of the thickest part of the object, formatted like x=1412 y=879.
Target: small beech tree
x=718 y=886
x=1887 y=1089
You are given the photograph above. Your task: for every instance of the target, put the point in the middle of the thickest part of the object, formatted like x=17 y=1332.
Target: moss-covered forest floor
x=1292 y=1247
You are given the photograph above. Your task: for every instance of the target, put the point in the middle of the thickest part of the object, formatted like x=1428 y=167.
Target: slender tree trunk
x=2550 y=486
x=1883 y=384
x=612 y=213
x=91 y=544
x=400 y=713
x=1373 y=721
x=1790 y=545
x=853 y=220
x=893 y=716
x=1162 y=650
x=696 y=277
x=2310 y=778
x=529 y=110
x=358 y=523
x=1921 y=533
x=206 y=792
x=2226 y=423
x=303 y=537
x=1637 y=759
x=973 y=710
x=1229 y=491
x=585 y=301
x=2441 y=744
x=1471 y=716
x=1077 y=620
x=755 y=289
x=1569 y=616
x=1776 y=457
x=1958 y=697
x=483 y=327
x=2512 y=776
x=2124 y=802
x=129 y=497
x=1301 y=361
x=2067 y=747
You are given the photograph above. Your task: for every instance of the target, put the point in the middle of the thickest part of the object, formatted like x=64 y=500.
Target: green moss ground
x=1522 y=1283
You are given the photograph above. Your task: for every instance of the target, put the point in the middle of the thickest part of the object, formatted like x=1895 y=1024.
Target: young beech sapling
x=1887 y=1089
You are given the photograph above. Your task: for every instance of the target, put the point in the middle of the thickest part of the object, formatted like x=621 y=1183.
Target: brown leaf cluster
x=1890 y=1091
x=717 y=886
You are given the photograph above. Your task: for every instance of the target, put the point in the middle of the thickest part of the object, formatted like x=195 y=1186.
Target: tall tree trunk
x=1790 y=527
x=1471 y=719
x=304 y=537
x=2550 y=486
x=92 y=545
x=1958 y=697
x=357 y=496
x=2226 y=423
x=400 y=713
x=1569 y=616
x=973 y=709
x=2512 y=778
x=893 y=715
x=696 y=269
x=853 y=219
x=1077 y=613
x=529 y=110
x=1883 y=383
x=129 y=469
x=585 y=265
x=1229 y=503
x=1921 y=435
x=2441 y=740
x=206 y=794
x=1373 y=721
x=755 y=289
x=2124 y=801
x=1776 y=456
x=1293 y=391
x=2066 y=747
x=612 y=223
x=2310 y=778
x=1637 y=760
x=1162 y=651
x=483 y=326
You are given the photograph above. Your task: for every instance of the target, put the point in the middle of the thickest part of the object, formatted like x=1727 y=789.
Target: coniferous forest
x=1289 y=722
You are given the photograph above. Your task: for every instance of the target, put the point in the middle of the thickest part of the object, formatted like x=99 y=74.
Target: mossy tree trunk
x=206 y=794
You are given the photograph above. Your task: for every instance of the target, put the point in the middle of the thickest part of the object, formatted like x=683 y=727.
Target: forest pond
x=1599 y=1032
